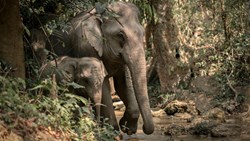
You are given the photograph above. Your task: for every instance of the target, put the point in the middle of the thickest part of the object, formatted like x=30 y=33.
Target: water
x=162 y=122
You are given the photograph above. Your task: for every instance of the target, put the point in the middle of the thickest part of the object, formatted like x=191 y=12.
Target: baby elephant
x=88 y=72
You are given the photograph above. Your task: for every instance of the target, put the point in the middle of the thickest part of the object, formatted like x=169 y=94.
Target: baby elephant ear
x=105 y=73
x=92 y=31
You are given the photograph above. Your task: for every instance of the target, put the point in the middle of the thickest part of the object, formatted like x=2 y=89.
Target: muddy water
x=163 y=122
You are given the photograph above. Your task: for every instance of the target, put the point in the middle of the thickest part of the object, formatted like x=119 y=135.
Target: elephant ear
x=66 y=69
x=92 y=31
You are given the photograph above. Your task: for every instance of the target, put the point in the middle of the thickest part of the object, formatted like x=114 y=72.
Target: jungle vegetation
x=184 y=39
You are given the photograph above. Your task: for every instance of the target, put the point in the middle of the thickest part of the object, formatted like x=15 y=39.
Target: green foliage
x=51 y=13
x=146 y=8
x=106 y=134
x=65 y=113
x=5 y=68
x=216 y=34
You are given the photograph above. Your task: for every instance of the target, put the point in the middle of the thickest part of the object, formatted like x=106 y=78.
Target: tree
x=169 y=67
x=204 y=34
x=11 y=43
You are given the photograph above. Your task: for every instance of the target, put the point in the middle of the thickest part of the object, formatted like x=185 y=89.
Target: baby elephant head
x=90 y=73
x=87 y=71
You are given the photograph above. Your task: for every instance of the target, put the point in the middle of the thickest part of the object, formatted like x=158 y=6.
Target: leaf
x=37 y=87
x=70 y=103
x=86 y=110
x=79 y=98
x=26 y=30
x=75 y=85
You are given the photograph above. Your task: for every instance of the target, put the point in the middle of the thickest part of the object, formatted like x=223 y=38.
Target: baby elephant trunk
x=97 y=101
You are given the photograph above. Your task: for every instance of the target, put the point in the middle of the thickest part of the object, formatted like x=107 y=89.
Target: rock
x=185 y=116
x=215 y=114
x=207 y=122
x=201 y=126
x=202 y=102
x=226 y=130
x=192 y=108
x=175 y=130
x=118 y=105
x=158 y=113
x=197 y=120
x=176 y=106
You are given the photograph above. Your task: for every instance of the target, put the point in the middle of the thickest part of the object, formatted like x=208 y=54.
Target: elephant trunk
x=137 y=68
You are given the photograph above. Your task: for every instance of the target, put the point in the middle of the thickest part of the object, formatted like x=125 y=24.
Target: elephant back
x=62 y=68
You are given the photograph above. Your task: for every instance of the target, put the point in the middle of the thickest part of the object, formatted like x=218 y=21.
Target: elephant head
x=86 y=71
x=117 y=37
x=90 y=73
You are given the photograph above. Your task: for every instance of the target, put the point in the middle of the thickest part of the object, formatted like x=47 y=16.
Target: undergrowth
x=29 y=110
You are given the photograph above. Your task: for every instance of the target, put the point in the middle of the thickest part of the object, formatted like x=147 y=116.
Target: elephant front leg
x=107 y=110
x=124 y=88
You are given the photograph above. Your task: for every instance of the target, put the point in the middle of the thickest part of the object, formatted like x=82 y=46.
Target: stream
x=165 y=121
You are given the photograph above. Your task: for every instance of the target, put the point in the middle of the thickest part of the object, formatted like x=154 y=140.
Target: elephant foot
x=119 y=137
x=128 y=125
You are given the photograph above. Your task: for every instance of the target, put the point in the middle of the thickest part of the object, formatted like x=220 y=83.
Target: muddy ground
x=179 y=128
x=199 y=114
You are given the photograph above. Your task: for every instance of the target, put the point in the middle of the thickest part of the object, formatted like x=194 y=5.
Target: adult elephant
x=89 y=72
x=114 y=35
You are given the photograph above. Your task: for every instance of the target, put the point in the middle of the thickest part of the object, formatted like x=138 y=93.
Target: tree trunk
x=165 y=46
x=11 y=31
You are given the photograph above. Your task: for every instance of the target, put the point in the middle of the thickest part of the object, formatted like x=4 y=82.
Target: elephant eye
x=120 y=34
x=121 y=38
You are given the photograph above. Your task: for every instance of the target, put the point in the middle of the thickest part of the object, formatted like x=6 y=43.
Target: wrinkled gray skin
x=118 y=42
x=88 y=72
